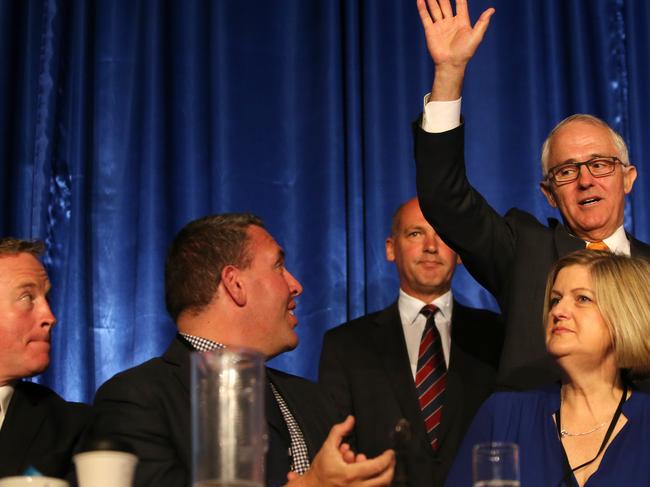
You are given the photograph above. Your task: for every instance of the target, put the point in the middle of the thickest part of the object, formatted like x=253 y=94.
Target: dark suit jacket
x=510 y=256
x=148 y=406
x=364 y=365
x=40 y=430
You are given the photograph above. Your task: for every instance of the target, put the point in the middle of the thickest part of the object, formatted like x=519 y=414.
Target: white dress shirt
x=6 y=393
x=441 y=116
x=413 y=324
x=618 y=242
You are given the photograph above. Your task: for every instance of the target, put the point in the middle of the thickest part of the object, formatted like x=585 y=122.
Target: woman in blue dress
x=592 y=429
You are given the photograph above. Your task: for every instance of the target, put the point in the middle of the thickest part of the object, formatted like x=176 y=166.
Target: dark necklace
x=608 y=435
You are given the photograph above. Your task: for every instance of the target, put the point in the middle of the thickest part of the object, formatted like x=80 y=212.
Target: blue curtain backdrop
x=120 y=121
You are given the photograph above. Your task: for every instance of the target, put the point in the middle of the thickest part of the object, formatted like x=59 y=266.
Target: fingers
x=375 y=467
x=295 y=480
x=482 y=24
x=434 y=8
x=441 y=9
x=461 y=9
x=425 y=16
x=339 y=430
x=445 y=6
x=346 y=453
x=385 y=478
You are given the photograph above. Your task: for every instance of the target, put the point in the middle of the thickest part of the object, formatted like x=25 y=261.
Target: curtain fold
x=121 y=121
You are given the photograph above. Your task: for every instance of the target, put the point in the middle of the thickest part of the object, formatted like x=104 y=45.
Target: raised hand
x=451 y=41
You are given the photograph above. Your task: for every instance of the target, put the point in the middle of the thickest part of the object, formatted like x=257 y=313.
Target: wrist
x=448 y=83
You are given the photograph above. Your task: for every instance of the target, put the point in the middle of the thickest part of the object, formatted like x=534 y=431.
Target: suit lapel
x=273 y=414
x=565 y=243
x=454 y=389
x=23 y=421
x=178 y=354
x=388 y=338
x=638 y=248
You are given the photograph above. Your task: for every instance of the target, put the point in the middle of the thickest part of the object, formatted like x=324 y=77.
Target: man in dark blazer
x=586 y=175
x=226 y=285
x=38 y=429
x=369 y=364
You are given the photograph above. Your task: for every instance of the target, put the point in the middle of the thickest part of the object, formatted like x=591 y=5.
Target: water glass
x=229 y=436
x=495 y=465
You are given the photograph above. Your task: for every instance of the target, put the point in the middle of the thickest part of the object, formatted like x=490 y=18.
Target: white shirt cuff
x=440 y=116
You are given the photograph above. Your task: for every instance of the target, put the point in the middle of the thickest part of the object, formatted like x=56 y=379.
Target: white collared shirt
x=6 y=393
x=413 y=324
x=618 y=242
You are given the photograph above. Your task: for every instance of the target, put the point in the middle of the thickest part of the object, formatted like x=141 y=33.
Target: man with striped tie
x=425 y=358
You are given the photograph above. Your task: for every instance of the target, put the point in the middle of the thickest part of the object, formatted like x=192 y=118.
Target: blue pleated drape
x=122 y=120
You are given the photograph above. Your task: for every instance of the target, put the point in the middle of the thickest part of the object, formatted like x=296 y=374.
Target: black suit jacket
x=364 y=365
x=148 y=406
x=40 y=430
x=510 y=256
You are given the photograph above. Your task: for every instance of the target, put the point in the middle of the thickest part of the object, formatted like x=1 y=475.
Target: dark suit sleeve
x=129 y=410
x=332 y=375
x=467 y=223
x=41 y=430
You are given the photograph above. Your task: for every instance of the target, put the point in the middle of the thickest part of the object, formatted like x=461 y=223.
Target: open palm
x=451 y=39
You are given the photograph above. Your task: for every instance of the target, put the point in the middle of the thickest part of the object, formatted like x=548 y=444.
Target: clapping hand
x=336 y=465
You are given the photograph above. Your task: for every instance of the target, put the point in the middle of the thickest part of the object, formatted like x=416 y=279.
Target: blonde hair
x=621 y=288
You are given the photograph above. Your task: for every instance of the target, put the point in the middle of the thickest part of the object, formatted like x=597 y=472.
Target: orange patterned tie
x=600 y=245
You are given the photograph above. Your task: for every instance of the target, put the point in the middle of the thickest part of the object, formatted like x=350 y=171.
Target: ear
x=629 y=176
x=458 y=260
x=390 y=249
x=548 y=192
x=233 y=284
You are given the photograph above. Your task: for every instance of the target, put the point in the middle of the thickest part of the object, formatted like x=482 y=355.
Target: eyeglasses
x=598 y=167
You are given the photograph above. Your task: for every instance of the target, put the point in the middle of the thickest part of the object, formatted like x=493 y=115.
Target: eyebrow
x=582 y=289
x=573 y=161
x=27 y=285
x=33 y=285
x=575 y=289
x=410 y=228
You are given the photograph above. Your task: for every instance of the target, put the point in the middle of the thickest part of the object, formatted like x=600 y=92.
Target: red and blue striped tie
x=431 y=375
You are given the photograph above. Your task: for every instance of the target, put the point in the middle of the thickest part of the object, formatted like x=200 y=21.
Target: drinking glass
x=229 y=436
x=495 y=465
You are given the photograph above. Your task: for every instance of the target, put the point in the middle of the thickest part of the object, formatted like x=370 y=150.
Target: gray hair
x=618 y=141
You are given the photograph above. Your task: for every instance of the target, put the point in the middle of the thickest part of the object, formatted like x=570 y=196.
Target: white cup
x=28 y=481
x=105 y=468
